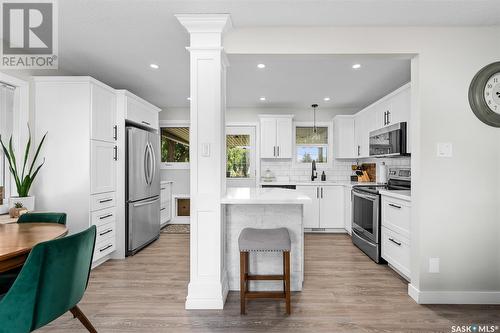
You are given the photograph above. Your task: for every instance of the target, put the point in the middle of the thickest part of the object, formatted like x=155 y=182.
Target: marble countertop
x=263 y=196
x=398 y=194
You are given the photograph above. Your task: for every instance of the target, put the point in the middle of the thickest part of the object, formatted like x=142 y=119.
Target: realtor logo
x=29 y=39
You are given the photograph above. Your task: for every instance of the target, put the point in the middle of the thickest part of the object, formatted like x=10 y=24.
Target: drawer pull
x=395 y=206
x=145 y=122
x=105 y=200
x=162 y=208
x=105 y=216
x=105 y=232
x=105 y=248
x=397 y=243
x=163 y=188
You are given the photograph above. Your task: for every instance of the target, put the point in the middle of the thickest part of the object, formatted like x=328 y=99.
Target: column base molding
x=207 y=295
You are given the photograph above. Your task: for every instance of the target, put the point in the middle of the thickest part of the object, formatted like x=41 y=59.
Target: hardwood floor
x=344 y=291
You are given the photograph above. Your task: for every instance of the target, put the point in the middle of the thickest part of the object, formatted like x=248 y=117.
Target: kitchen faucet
x=314 y=173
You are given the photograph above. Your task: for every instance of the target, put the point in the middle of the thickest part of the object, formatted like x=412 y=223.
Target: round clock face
x=492 y=93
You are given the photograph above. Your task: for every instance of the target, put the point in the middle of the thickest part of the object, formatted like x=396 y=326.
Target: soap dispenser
x=323 y=177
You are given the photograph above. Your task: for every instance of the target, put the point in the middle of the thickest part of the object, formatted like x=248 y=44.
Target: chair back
x=51 y=282
x=43 y=217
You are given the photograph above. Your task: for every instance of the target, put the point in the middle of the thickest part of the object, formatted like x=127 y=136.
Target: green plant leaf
x=36 y=154
x=26 y=152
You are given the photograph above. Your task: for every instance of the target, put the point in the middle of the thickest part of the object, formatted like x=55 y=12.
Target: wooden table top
x=18 y=239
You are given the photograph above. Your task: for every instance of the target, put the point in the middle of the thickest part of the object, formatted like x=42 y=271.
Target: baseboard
x=180 y=220
x=453 y=297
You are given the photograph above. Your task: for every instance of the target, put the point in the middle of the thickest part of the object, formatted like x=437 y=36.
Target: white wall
x=455 y=200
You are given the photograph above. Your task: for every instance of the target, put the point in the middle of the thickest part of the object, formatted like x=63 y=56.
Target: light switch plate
x=433 y=265
x=205 y=149
x=444 y=149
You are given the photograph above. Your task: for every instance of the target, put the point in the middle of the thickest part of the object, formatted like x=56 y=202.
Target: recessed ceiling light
x=262 y=98
x=189 y=98
x=356 y=66
x=326 y=99
x=261 y=66
x=154 y=66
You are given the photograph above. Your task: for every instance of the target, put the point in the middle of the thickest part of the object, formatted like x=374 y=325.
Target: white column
x=208 y=285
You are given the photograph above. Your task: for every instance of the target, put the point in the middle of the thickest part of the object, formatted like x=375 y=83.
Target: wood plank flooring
x=344 y=291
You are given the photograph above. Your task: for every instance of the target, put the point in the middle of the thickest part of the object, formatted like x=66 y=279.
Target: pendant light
x=315 y=129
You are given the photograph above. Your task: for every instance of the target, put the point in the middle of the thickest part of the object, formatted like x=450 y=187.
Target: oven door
x=388 y=141
x=365 y=215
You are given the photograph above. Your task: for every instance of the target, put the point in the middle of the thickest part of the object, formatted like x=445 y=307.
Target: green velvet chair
x=51 y=282
x=7 y=278
x=43 y=217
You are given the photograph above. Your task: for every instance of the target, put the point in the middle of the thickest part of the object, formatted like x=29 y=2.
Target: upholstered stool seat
x=264 y=240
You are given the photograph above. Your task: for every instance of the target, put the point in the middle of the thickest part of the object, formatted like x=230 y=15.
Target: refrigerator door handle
x=146 y=167
x=153 y=162
x=146 y=203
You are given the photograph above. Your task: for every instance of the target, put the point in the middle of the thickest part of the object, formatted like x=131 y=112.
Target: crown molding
x=202 y=23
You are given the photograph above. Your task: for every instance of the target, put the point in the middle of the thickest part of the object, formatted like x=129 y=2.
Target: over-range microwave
x=389 y=141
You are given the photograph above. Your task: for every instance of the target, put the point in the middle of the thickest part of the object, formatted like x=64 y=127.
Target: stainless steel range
x=366 y=211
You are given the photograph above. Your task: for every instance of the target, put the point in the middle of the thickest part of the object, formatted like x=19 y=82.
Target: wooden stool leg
x=243 y=273
x=286 y=256
x=247 y=272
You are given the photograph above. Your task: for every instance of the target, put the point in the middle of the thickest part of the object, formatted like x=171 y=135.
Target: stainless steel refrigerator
x=142 y=189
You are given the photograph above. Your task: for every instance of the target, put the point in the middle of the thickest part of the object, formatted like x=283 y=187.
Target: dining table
x=17 y=240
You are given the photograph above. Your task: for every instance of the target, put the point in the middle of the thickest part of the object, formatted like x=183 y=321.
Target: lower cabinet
x=166 y=202
x=348 y=209
x=326 y=210
x=395 y=235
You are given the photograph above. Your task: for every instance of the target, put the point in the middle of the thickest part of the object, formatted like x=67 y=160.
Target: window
x=6 y=124
x=238 y=156
x=311 y=145
x=175 y=145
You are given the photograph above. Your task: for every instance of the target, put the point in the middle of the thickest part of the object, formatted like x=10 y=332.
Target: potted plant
x=17 y=210
x=23 y=181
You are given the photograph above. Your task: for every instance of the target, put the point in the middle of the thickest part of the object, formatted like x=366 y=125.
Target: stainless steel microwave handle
x=146 y=203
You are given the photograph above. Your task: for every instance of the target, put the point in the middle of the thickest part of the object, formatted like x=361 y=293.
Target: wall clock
x=484 y=94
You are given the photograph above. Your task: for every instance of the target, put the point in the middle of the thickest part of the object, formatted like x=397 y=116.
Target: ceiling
x=297 y=81
x=115 y=41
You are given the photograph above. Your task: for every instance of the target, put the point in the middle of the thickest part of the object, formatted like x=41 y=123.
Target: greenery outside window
x=311 y=145
x=175 y=146
x=238 y=156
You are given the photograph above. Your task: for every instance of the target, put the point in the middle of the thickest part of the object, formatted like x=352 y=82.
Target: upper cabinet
x=137 y=110
x=344 y=139
x=276 y=136
x=389 y=110
x=103 y=113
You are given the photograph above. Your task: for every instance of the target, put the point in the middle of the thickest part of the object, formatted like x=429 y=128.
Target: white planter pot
x=28 y=202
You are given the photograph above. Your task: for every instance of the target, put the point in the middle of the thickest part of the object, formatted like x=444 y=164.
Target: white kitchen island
x=264 y=208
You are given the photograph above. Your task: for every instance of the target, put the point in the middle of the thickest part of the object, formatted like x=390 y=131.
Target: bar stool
x=264 y=240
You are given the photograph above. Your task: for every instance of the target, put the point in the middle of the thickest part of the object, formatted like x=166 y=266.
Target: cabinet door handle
x=105 y=248
x=359 y=148
x=397 y=243
x=274 y=151
x=162 y=208
x=388 y=117
x=115 y=132
x=115 y=153
x=278 y=150
x=317 y=192
x=105 y=232
x=145 y=122
x=105 y=200
x=395 y=206
x=321 y=193
x=105 y=216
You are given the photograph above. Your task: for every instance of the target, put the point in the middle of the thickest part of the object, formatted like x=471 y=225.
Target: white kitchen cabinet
x=103 y=116
x=348 y=209
x=276 y=139
x=102 y=167
x=79 y=175
x=364 y=124
x=311 y=208
x=138 y=110
x=344 y=137
x=326 y=209
x=394 y=108
x=395 y=234
x=166 y=202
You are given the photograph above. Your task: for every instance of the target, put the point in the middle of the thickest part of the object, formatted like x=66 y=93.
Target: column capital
x=203 y=23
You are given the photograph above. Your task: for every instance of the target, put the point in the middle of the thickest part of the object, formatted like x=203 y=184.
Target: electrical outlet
x=433 y=265
x=444 y=149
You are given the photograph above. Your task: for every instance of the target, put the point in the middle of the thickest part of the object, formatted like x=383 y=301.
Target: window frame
x=307 y=165
x=175 y=165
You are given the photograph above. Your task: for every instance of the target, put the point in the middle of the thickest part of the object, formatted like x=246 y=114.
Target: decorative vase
x=27 y=202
